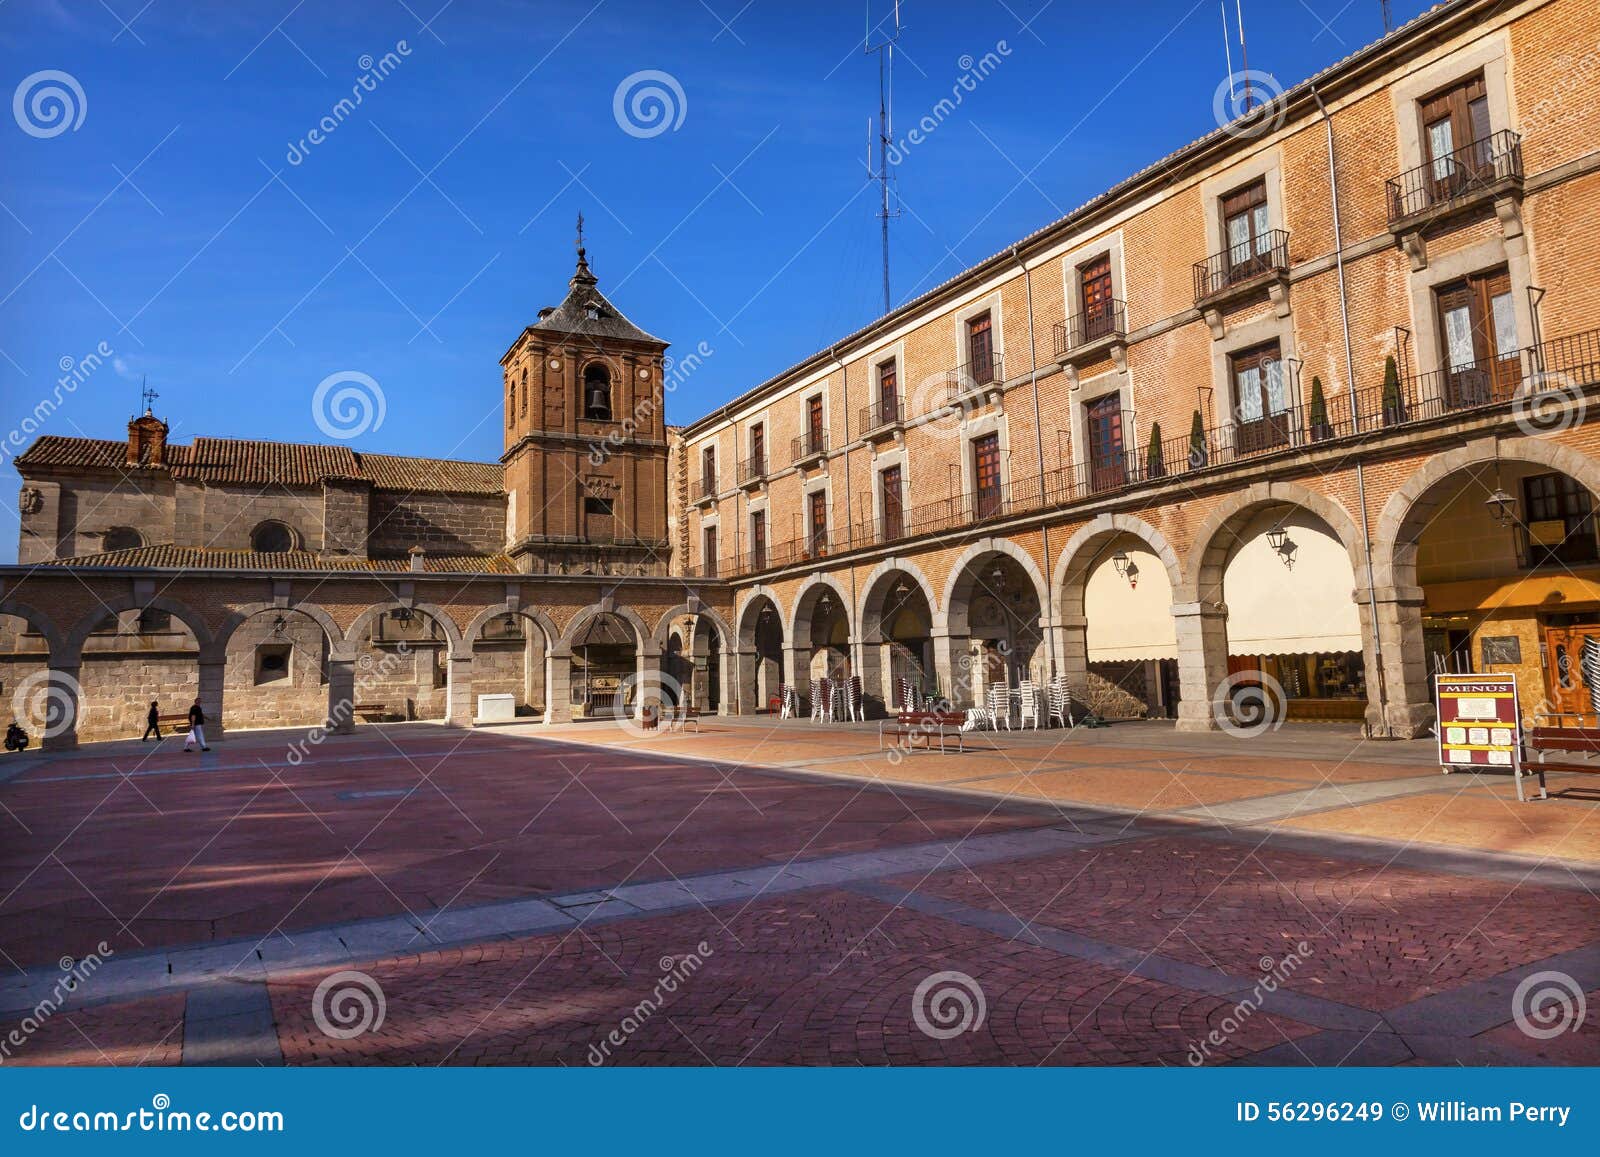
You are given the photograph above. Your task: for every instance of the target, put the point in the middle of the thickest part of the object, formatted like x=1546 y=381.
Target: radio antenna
x=885 y=173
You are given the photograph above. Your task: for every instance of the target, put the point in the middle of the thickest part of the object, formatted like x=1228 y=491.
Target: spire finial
x=582 y=276
x=580 y=232
x=147 y=394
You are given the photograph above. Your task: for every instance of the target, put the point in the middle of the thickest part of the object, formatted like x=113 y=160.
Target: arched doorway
x=1275 y=582
x=605 y=665
x=1119 y=643
x=25 y=695
x=897 y=642
x=994 y=608
x=136 y=656
x=760 y=654
x=276 y=671
x=402 y=661
x=821 y=635
x=705 y=688
x=510 y=656
x=1504 y=559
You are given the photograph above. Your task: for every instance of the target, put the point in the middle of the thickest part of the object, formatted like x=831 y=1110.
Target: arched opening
x=402 y=666
x=597 y=392
x=121 y=538
x=509 y=658
x=760 y=654
x=993 y=618
x=24 y=680
x=1120 y=643
x=605 y=658
x=1508 y=561
x=272 y=537
x=897 y=663
x=131 y=659
x=276 y=671
x=821 y=636
x=1293 y=626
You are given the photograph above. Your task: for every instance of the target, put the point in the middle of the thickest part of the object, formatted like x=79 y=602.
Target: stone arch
x=880 y=652
x=366 y=618
x=830 y=657
x=237 y=617
x=530 y=680
x=545 y=623
x=747 y=629
x=682 y=610
x=39 y=621
x=1214 y=538
x=1201 y=612
x=72 y=650
x=1072 y=568
x=805 y=601
x=955 y=619
x=759 y=661
x=291 y=699
x=1411 y=505
x=644 y=637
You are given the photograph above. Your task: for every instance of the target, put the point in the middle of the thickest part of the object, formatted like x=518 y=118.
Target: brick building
x=1303 y=405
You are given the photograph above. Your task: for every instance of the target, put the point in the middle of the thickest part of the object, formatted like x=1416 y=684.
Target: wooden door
x=1566 y=689
x=1478 y=335
x=819 y=523
x=758 y=448
x=758 y=539
x=893 y=505
x=814 y=427
x=888 y=393
x=1456 y=138
x=980 y=350
x=1107 y=462
x=986 y=476
x=1260 y=399
x=1098 y=313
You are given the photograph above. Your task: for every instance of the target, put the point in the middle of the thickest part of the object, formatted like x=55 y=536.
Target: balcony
x=976 y=377
x=883 y=419
x=1241 y=270
x=706 y=492
x=1483 y=172
x=1099 y=332
x=753 y=472
x=812 y=446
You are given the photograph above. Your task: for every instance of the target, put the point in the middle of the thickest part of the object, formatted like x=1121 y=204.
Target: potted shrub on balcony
x=1394 y=403
x=1197 y=442
x=1154 y=465
x=1321 y=428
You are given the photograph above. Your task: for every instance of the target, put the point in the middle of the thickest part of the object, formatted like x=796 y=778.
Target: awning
x=1130 y=617
x=1279 y=609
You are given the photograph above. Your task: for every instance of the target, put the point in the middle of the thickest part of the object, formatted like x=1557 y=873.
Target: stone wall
x=439 y=523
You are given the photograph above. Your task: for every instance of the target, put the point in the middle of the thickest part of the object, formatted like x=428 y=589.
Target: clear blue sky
x=171 y=225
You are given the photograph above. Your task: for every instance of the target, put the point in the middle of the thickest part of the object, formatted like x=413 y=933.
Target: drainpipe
x=1038 y=441
x=1382 y=730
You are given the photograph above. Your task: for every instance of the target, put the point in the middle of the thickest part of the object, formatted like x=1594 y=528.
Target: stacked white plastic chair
x=788 y=702
x=1060 y=702
x=1030 y=704
x=856 y=706
x=1000 y=705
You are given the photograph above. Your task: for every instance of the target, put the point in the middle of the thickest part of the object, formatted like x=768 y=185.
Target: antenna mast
x=884 y=175
x=1388 y=18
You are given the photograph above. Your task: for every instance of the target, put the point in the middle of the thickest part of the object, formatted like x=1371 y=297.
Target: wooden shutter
x=986 y=475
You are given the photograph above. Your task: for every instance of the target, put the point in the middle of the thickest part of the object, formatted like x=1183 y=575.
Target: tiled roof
x=169 y=557
x=243 y=461
x=586 y=311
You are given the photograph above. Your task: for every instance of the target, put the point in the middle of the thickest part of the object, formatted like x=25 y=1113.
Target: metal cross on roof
x=147 y=395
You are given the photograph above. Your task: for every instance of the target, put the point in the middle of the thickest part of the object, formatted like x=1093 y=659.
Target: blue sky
x=418 y=237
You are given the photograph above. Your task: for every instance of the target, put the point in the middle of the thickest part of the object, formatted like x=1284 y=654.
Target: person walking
x=197 y=729
x=152 y=722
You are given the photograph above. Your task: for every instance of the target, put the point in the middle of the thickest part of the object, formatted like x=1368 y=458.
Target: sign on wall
x=1479 y=722
x=1501 y=650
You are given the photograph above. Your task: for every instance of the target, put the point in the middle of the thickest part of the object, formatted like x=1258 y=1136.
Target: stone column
x=1202 y=629
x=558 y=687
x=341 y=694
x=213 y=679
x=1072 y=651
x=1405 y=710
x=797 y=671
x=63 y=703
x=951 y=668
x=460 y=708
x=747 y=683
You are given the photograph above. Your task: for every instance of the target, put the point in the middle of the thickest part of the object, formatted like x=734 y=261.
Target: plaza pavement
x=523 y=894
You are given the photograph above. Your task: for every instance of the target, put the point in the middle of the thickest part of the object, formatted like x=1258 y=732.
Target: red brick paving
x=237 y=853
x=825 y=979
x=135 y=1032
x=1379 y=936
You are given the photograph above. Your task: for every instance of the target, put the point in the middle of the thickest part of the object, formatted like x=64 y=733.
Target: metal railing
x=1566 y=364
x=708 y=486
x=1242 y=264
x=1106 y=320
x=752 y=470
x=973 y=376
x=1455 y=176
x=811 y=444
x=883 y=414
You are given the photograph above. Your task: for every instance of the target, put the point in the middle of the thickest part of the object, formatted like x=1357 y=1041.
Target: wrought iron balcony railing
x=1241 y=265
x=1092 y=329
x=1485 y=165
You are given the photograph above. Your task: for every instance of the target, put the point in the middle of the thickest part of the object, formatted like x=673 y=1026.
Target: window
x=524 y=391
x=122 y=538
x=1455 y=133
x=598 y=507
x=1560 y=529
x=708 y=550
x=893 y=504
x=888 y=392
x=758 y=449
x=1103 y=424
x=1094 y=284
x=511 y=399
x=817 y=539
x=758 y=539
x=597 y=393
x=1245 y=231
x=272 y=662
x=986 y=475
x=1478 y=337
x=814 y=427
x=708 y=470
x=272 y=538
x=980 y=349
x=1260 y=398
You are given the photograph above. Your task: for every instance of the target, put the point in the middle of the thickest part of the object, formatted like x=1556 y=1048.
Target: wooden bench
x=173 y=722
x=369 y=709
x=926 y=725
x=1540 y=742
x=682 y=718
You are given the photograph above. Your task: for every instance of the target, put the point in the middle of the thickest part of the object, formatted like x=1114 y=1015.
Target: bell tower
x=585 y=439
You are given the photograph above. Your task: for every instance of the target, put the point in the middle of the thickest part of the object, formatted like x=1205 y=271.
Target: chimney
x=417 y=555
x=147 y=441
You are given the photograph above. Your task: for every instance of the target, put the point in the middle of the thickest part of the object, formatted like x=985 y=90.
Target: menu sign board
x=1478 y=720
